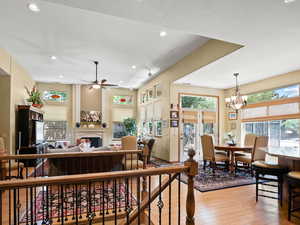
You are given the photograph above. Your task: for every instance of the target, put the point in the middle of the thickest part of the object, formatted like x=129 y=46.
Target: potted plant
x=35 y=97
x=130 y=126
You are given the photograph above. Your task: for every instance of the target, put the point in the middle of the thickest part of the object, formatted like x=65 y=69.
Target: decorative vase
x=37 y=105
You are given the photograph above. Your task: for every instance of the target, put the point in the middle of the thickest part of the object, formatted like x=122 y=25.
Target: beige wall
x=5 y=59
x=19 y=79
x=5 y=99
x=205 y=54
x=108 y=107
x=262 y=85
x=90 y=98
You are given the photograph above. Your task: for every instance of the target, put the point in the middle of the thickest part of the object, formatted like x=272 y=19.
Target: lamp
x=237 y=101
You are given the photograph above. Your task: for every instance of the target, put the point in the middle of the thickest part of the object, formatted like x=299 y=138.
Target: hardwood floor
x=232 y=206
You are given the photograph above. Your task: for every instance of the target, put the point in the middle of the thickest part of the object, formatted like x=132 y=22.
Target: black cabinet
x=26 y=121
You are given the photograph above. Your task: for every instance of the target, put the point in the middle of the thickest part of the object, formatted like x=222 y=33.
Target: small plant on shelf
x=35 y=97
x=130 y=126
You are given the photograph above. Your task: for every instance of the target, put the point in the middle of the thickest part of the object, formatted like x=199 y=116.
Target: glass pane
x=55 y=96
x=283 y=133
x=199 y=102
x=122 y=100
x=55 y=130
x=118 y=130
x=280 y=93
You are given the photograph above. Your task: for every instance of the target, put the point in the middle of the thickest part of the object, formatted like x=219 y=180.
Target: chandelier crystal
x=237 y=101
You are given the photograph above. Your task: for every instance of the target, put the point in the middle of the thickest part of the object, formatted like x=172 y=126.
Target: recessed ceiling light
x=133 y=67
x=163 y=33
x=33 y=7
x=61 y=76
x=288 y=1
x=53 y=57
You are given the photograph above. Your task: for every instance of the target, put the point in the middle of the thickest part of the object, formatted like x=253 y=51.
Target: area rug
x=207 y=181
x=54 y=208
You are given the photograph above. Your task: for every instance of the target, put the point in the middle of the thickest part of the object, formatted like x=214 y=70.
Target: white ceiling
x=269 y=29
x=77 y=37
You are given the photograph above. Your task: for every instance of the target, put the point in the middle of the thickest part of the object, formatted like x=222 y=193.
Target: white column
x=76 y=103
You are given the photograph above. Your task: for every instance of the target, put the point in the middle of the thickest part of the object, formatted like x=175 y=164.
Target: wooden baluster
x=1 y=218
x=179 y=197
x=190 y=201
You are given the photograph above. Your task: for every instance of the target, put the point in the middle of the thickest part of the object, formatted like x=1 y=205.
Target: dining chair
x=256 y=155
x=209 y=153
x=248 y=141
x=130 y=161
x=12 y=169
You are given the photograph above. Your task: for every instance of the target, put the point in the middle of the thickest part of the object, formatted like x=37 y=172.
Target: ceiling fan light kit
x=100 y=84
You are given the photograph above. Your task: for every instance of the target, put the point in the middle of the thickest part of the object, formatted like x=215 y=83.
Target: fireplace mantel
x=88 y=132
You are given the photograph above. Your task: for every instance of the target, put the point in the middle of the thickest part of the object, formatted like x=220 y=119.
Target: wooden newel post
x=190 y=200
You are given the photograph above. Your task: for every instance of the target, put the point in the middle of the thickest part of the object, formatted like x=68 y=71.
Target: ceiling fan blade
x=109 y=85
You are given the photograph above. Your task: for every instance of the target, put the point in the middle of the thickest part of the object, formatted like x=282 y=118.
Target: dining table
x=231 y=149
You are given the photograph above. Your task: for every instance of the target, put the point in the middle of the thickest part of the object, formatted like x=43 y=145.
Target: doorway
x=199 y=116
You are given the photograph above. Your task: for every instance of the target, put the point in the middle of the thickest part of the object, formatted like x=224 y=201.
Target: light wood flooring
x=232 y=206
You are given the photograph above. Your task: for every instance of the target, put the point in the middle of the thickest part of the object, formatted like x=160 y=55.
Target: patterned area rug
x=207 y=181
x=69 y=201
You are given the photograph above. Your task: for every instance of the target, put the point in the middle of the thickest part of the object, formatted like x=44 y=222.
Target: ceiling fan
x=102 y=83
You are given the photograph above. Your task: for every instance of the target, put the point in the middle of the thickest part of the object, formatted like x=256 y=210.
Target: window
x=55 y=130
x=55 y=96
x=279 y=93
x=199 y=102
x=119 y=130
x=122 y=100
x=281 y=133
x=276 y=114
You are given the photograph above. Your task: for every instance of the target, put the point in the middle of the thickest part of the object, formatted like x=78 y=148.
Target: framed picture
x=174 y=114
x=232 y=116
x=158 y=128
x=150 y=94
x=157 y=91
x=174 y=123
x=150 y=128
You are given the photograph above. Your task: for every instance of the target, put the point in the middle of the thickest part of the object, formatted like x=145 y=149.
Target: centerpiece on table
x=35 y=97
x=230 y=139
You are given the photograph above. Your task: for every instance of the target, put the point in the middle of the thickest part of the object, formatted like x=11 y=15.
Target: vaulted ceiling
x=76 y=37
x=122 y=33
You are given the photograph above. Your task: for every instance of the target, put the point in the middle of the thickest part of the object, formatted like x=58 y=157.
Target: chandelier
x=236 y=101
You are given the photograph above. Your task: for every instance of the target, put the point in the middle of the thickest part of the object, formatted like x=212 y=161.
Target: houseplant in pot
x=35 y=97
x=130 y=126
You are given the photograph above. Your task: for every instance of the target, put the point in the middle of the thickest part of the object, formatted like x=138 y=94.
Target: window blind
x=273 y=110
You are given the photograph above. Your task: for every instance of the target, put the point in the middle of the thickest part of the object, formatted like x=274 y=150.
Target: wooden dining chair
x=248 y=141
x=9 y=170
x=256 y=155
x=209 y=153
x=130 y=161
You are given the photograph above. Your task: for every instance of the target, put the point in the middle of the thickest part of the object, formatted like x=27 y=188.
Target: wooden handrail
x=92 y=177
x=70 y=154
